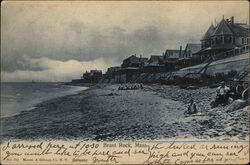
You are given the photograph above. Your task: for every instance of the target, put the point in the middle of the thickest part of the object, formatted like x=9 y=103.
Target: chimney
x=180 y=51
x=232 y=20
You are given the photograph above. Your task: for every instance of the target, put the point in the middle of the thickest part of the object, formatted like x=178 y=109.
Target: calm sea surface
x=17 y=97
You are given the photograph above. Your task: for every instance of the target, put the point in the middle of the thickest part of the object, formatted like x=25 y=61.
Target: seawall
x=236 y=63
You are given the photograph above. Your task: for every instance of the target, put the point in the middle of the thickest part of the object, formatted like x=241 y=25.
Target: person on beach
x=239 y=90
x=222 y=94
x=141 y=86
x=192 y=109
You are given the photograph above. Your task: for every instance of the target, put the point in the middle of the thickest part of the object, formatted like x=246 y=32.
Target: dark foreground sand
x=105 y=113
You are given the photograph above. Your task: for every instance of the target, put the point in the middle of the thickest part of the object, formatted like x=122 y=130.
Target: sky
x=55 y=41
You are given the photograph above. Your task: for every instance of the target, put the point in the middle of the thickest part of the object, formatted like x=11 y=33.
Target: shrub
x=232 y=73
x=206 y=77
x=220 y=77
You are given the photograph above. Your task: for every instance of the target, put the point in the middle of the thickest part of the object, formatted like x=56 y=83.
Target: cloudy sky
x=57 y=41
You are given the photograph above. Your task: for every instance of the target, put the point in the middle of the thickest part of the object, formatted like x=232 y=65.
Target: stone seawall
x=236 y=63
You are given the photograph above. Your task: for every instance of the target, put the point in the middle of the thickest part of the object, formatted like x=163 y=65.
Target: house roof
x=244 y=25
x=143 y=59
x=193 y=47
x=209 y=32
x=239 y=30
x=155 y=60
x=114 y=68
x=223 y=28
x=155 y=57
x=227 y=28
x=172 y=50
x=173 y=53
x=134 y=59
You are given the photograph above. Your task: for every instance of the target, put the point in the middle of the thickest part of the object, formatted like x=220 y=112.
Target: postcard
x=124 y=82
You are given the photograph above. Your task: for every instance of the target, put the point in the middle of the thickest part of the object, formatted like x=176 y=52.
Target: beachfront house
x=130 y=67
x=173 y=54
x=226 y=36
x=92 y=77
x=190 y=56
x=172 y=58
x=111 y=71
x=134 y=61
x=191 y=49
x=155 y=64
x=155 y=60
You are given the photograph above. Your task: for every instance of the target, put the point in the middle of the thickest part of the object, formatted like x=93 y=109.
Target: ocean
x=18 y=97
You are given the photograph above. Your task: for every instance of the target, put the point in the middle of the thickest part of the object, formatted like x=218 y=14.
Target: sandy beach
x=103 y=112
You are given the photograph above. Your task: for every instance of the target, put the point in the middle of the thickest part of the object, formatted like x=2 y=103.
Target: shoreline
x=102 y=112
x=30 y=105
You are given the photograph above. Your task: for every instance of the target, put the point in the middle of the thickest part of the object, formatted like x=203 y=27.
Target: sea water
x=18 y=97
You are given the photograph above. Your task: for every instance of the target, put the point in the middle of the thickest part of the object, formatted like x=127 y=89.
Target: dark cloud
x=78 y=31
x=78 y=42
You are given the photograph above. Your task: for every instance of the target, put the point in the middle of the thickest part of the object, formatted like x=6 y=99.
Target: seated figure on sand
x=239 y=90
x=141 y=86
x=222 y=96
x=192 y=109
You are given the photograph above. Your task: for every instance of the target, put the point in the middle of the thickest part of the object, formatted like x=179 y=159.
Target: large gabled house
x=172 y=58
x=173 y=54
x=130 y=67
x=224 y=37
x=190 y=56
x=111 y=71
x=155 y=63
x=191 y=49
x=155 y=60
x=90 y=77
x=134 y=61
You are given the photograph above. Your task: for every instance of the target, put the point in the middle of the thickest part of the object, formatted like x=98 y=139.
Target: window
x=213 y=42
x=218 y=40
x=245 y=40
x=228 y=39
x=190 y=53
x=207 y=43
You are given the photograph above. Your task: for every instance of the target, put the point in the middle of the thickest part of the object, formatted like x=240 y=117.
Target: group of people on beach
x=223 y=95
x=130 y=87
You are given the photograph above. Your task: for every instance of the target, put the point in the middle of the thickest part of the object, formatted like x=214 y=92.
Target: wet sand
x=103 y=112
